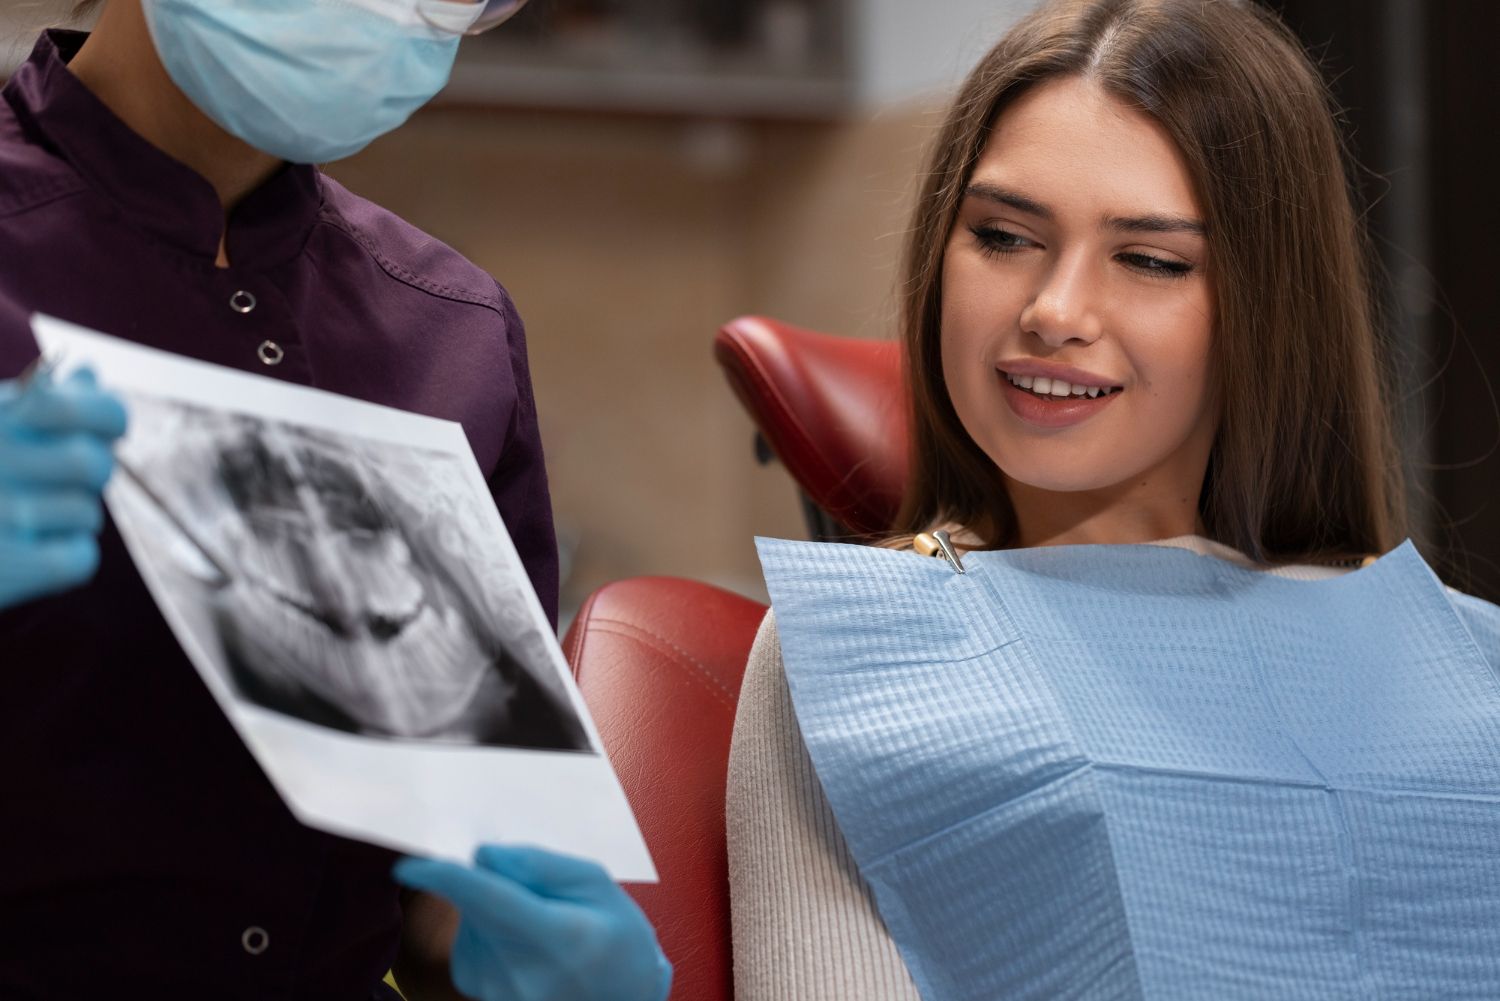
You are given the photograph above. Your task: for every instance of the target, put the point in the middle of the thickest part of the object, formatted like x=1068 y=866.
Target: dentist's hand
x=56 y=443
x=536 y=926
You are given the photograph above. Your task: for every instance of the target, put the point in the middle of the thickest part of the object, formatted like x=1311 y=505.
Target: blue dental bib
x=1135 y=772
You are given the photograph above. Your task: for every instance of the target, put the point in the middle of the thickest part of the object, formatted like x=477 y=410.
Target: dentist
x=156 y=183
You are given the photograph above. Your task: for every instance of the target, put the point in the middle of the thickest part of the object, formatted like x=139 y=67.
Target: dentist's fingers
x=31 y=570
x=32 y=514
x=77 y=404
x=78 y=461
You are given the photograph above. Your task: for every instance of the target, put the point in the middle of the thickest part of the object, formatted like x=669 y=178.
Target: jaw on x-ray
x=341 y=593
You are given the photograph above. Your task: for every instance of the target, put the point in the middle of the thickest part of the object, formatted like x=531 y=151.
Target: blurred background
x=636 y=172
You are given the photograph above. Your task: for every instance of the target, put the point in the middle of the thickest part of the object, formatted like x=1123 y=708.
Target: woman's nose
x=1065 y=306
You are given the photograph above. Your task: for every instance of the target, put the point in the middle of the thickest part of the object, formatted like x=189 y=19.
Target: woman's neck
x=1121 y=515
x=120 y=66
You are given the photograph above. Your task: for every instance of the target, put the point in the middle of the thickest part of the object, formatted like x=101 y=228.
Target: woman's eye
x=1158 y=266
x=995 y=241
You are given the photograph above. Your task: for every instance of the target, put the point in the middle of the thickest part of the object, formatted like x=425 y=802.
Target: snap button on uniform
x=242 y=302
x=270 y=352
x=255 y=939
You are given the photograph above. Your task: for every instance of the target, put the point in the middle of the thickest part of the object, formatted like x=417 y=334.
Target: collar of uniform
x=150 y=189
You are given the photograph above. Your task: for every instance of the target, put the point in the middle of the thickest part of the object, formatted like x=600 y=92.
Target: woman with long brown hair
x=1160 y=737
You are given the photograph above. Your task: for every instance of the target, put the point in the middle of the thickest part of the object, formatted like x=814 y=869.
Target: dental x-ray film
x=338 y=574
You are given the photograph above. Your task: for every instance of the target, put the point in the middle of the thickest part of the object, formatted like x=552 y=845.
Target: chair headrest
x=832 y=410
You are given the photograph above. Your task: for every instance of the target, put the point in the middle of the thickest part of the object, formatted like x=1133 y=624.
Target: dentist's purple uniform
x=146 y=855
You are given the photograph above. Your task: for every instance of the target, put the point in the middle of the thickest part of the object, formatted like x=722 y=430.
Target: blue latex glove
x=55 y=457
x=537 y=926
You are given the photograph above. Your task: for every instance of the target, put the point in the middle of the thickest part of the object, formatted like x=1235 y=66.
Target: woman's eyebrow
x=1152 y=223
x=1005 y=196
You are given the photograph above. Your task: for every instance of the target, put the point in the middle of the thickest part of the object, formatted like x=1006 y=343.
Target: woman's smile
x=1048 y=395
x=1054 y=403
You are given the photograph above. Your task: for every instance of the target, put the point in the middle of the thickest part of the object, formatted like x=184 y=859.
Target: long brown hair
x=1305 y=464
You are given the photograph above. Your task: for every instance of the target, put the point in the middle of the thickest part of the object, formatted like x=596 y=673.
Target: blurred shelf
x=777 y=59
x=730 y=90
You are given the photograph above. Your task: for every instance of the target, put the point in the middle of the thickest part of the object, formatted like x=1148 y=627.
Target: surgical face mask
x=309 y=80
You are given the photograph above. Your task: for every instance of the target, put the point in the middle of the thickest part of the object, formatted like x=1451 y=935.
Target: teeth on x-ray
x=349 y=582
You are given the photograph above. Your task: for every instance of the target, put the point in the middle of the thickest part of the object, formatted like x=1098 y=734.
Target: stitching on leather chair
x=574 y=656
x=696 y=669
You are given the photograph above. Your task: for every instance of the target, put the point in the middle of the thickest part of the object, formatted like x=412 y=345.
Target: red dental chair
x=659 y=660
x=832 y=410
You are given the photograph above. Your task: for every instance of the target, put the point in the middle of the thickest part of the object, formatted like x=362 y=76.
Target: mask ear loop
x=496 y=13
x=456 y=18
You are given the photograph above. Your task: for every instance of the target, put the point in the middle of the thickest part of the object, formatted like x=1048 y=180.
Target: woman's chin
x=1062 y=478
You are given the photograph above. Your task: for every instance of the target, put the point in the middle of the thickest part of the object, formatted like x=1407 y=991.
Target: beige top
x=805 y=923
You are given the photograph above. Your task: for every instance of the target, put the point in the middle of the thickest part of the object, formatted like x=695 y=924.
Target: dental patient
x=1160 y=726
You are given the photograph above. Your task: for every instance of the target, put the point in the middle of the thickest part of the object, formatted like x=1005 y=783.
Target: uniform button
x=270 y=352
x=255 y=939
x=242 y=302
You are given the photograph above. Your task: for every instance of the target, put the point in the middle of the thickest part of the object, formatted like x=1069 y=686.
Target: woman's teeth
x=1043 y=386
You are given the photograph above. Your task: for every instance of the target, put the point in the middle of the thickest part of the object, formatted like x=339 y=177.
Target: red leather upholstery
x=659 y=662
x=832 y=410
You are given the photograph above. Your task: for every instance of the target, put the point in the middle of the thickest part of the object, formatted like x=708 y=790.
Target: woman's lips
x=1053 y=411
